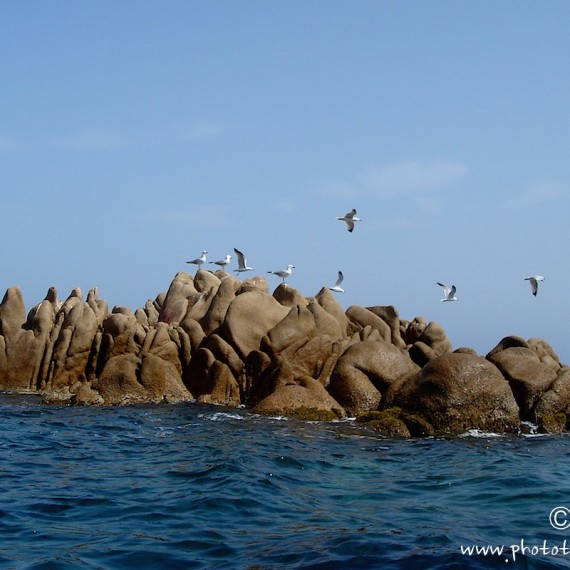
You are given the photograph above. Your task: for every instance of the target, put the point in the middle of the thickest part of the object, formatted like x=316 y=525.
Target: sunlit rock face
x=214 y=339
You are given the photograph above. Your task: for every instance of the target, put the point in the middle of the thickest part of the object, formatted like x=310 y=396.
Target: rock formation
x=213 y=339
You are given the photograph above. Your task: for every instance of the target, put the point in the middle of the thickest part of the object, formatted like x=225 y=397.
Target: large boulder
x=72 y=356
x=207 y=285
x=118 y=383
x=211 y=380
x=363 y=317
x=528 y=376
x=389 y=314
x=299 y=397
x=21 y=350
x=369 y=373
x=181 y=295
x=326 y=323
x=130 y=379
x=225 y=294
x=456 y=392
x=426 y=340
x=249 y=318
x=552 y=411
x=216 y=374
x=288 y=296
x=222 y=388
x=327 y=301
x=122 y=334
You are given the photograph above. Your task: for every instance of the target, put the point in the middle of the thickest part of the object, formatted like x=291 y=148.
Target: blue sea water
x=193 y=487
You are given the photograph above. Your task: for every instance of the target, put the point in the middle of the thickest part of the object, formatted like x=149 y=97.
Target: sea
x=197 y=487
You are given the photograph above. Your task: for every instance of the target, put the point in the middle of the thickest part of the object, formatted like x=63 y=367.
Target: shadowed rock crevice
x=214 y=339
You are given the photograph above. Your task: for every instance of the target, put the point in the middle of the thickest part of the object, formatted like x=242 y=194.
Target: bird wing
x=241 y=258
x=350 y=224
x=339 y=280
x=533 y=285
x=452 y=292
x=446 y=289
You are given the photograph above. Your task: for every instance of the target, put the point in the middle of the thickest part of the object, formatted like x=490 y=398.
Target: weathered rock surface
x=369 y=373
x=214 y=339
x=456 y=392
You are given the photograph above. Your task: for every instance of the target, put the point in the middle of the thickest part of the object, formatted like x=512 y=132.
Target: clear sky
x=135 y=134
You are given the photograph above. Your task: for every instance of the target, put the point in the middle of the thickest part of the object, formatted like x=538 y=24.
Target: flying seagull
x=222 y=262
x=242 y=262
x=449 y=293
x=534 y=279
x=283 y=273
x=336 y=287
x=350 y=218
x=200 y=260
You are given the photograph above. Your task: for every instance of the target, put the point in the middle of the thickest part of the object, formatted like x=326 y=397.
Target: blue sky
x=135 y=134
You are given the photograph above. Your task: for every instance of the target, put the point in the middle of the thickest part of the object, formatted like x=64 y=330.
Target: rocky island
x=214 y=339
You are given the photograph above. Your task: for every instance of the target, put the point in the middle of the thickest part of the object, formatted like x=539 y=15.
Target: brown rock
x=326 y=324
x=257 y=283
x=363 y=317
x=421 y=353
x=222 y=387
x=21 y=350
x=528 y=377
x=395 y=422
x=545 y=353
x=196 y=376
x=288 y=296
x=212 y=381
x=465 y=350
x=99 y=306
x=256 y=365
x=158 y=342
x=216 y=314
x=305 y=398
x=162 y=380
x=249 y=318
x=367 y=373
x=434 y=336
x=119 y=334
x=12 y=312
x=413 y=330
x=181 y=295
x=294 y=330
x=430 y=341
x=508 y=342
x=457 y=392
x=193 y=329
x=118 y=383
x=85 y=396
x=389 y=315
x=72 y=357
x=207 y=285
x=555 y=400
x=327 y=301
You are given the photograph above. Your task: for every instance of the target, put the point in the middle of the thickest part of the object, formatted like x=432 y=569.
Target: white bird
x=283 y=273
x=534 y=279
x=350 y=218
x=242 y=262
x=222 y=262
x=449 y=293
x=200 y=260
x=336 y=287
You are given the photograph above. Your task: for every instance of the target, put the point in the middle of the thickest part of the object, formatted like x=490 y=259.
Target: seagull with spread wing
x=448 y=292
x=349 y=218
